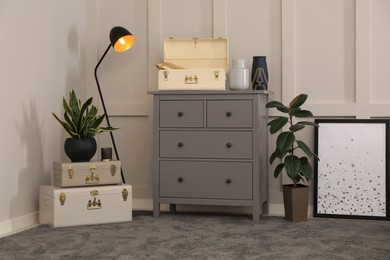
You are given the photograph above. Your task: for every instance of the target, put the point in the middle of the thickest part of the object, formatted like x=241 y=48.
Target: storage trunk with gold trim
x=61 y=207
x=194 y=64
x=86 y=173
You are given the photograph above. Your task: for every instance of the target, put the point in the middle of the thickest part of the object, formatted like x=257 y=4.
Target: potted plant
x=293 y=154
x=81 y=123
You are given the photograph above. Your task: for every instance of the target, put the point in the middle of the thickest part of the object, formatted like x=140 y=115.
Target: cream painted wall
x=41 y=58
x=330 y=58
x=253 y=27
x=123 y=78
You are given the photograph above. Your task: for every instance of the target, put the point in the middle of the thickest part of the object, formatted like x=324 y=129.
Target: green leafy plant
x=297 y=168
x=81 y=120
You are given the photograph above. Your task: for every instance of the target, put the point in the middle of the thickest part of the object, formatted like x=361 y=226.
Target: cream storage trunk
x=61 y=207
x=204 y=64
x=86 y=173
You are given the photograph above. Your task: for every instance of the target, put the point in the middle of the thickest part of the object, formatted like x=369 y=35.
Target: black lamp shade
x=121 y=39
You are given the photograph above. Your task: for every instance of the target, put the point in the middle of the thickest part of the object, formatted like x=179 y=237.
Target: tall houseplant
x=81 y=122
x=293 y=154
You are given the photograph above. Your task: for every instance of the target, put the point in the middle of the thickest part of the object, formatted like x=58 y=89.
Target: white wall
x=332 y=50
x=337 y=52
x=124 y=80
x=253 y=28
x=41 y=59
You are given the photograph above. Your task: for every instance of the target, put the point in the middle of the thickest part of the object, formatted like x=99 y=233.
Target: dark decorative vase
x=259 y=74
x=296 y=202
x=80 y=150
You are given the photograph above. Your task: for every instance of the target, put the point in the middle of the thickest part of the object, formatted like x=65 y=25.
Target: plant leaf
x=277 y=124
x=64 y=125
x=284 y=142
x=307 y=123
x=306 y=168
x=108 y=128
x=296 y=127
x=292 y=165
x=68 y=110
x=74 y=102
x=298 y=101
x=273 y=156
x=278 y=170
x=302 y=113
x=305 y=148
x=278 y=105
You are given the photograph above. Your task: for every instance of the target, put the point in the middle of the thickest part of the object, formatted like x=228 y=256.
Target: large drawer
x=178 y=113
x=229 y=113
x=211 y=180
x=206 y=144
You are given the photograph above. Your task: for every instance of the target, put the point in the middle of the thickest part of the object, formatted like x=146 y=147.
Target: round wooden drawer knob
x=180 y=114
x=228 y=180
x=228 y=145
x=228 y=114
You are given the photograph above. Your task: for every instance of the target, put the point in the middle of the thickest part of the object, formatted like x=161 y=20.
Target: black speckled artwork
x=351 y=173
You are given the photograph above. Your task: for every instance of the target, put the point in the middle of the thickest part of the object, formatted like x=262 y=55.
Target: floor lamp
x=121 y=40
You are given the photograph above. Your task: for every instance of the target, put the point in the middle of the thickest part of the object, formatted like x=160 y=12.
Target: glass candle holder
x=106 y=154
x=239 y=75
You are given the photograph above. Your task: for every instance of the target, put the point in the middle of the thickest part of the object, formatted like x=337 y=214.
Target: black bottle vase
x=259 y=75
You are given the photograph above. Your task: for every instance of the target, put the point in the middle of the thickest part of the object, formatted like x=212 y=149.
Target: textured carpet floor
x=204 y=236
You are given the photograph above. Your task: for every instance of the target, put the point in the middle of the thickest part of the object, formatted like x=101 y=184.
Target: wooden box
x=203 y=63
x=86 y=173
x=61 y=207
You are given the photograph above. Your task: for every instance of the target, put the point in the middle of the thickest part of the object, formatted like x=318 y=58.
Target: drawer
x=211 y=180
x=206 y=144
x=229 y=113
x=178 y=113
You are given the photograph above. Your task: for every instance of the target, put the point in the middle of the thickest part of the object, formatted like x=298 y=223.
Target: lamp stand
x=105 y=110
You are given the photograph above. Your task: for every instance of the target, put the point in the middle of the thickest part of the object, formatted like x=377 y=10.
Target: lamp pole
x=105 y=110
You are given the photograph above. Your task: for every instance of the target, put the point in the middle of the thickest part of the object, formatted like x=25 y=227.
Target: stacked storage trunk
x=85 y=193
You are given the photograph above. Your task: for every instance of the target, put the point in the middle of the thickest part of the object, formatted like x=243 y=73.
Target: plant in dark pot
x=293 y=154
x=81 y=122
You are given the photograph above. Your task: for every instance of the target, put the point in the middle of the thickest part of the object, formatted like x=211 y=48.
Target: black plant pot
x=80 y=150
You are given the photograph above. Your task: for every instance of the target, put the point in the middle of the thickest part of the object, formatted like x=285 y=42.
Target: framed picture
x=352 y=176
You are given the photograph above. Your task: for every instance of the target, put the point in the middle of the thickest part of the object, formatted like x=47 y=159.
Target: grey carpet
x=205 y=236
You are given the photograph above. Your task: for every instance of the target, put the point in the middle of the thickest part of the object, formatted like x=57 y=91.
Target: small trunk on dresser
x=296 y=202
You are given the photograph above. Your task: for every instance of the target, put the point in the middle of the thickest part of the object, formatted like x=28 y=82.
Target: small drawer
x=229 y=113
x=206 y=180
x=206 y=144
x=187 y=113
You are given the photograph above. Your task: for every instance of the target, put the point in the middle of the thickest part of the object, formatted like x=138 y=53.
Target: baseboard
x=143 y=204
x=278 y=210
x=19 y=224
x=273 y=209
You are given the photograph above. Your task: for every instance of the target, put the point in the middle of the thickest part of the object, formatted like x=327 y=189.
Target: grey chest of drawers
x=210 y=148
